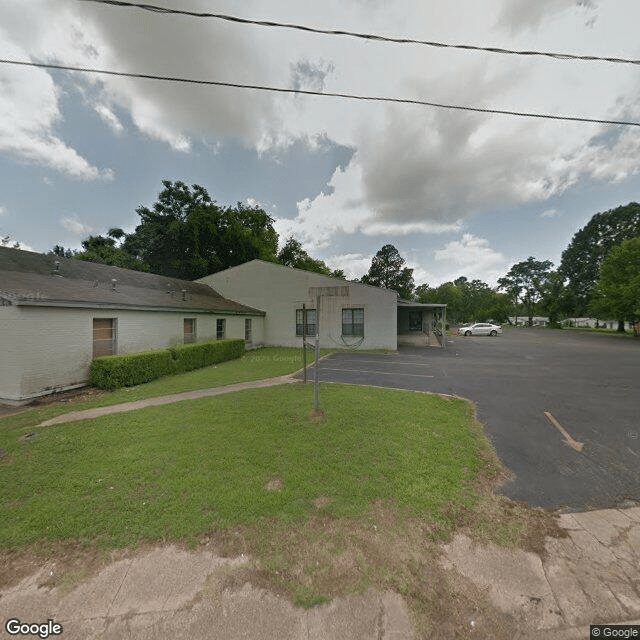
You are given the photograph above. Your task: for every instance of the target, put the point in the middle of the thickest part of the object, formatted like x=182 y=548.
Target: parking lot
x=562 y=408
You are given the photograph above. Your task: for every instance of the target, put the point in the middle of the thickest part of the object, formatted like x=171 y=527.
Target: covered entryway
x=421 y=324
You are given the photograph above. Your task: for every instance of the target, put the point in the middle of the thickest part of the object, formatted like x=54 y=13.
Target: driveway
x=588 y=384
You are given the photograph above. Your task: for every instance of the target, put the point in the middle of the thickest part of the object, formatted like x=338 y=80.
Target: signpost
x=319 y=293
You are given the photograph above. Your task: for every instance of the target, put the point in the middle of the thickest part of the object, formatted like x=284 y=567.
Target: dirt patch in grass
x=63 y=564
x=325 y=558
x=275 y=484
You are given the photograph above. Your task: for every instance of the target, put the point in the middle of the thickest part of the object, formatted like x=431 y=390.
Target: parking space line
x=384 y=373
x=567 y=438
x=394 y=363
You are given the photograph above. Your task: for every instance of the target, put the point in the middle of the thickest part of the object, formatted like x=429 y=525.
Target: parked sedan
x=480 y=329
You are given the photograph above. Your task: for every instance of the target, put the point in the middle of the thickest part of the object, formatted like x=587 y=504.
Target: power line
x=327 y=94
x=365 y=36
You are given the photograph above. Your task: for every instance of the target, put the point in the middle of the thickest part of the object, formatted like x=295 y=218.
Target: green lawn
x=358 y=500
x=181 y=470
x=258 y=364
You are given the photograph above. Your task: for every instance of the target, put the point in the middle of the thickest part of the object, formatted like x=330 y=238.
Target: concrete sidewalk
x=593 y=576
x=87 y=414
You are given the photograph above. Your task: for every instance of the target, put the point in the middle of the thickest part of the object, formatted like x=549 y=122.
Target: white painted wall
x=45 y=349
x=281 y=290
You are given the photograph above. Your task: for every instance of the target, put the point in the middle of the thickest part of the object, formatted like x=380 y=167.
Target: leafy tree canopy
x=526 y=281
x=387 y=270
x=581 y=260
x=618 y=288
x=293 y=255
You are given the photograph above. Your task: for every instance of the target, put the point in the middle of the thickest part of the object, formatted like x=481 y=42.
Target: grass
x=611 y=332
x=257 y=364
x=181 y=470
x=360 y=499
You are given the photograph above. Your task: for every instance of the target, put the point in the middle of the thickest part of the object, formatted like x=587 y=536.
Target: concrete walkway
x=87 y=414
x=593 y=576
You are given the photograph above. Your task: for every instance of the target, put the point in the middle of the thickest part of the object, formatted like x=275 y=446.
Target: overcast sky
x=457 y=192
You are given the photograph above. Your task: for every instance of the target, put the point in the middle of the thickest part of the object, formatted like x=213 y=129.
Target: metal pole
x=316 y=389
x=304 y=340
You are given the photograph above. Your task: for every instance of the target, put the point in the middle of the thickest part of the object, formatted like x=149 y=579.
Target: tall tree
x=104 y=250
x=582 y=259
x=526 y=281
x=187 y=235
x=293 y=255
x=387 y=270
x=618 y=289
x=556 y=300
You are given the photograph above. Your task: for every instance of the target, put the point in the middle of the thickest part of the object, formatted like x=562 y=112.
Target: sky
x=458 y=193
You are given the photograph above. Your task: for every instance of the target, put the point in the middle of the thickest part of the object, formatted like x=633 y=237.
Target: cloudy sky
x=457 y=192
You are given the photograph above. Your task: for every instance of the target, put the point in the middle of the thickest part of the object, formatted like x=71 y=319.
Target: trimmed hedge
x=113 y=372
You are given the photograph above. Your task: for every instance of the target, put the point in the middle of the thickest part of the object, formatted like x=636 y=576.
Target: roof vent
x=184 y=294
x=114 y=282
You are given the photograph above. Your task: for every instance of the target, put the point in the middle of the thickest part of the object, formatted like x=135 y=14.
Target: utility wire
x=327 y=94
x=365 y=36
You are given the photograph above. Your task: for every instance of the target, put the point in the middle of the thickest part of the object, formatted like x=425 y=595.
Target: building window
x=415 y=320
x=247 y=329
x=220 y=329
x=189 y=330
x=311 y=322
x=353 y=322
x=104 y=337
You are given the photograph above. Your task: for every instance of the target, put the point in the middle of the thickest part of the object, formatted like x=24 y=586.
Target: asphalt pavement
x=561 y=407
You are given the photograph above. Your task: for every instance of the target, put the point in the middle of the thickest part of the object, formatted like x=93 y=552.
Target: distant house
x=593 y=323
x=537 y=321
x=347 y=314
x=56 y=314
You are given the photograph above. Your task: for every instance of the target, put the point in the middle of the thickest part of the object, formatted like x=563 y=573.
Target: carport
x=421 y=324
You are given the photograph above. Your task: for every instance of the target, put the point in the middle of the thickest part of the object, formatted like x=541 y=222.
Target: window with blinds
x=353 y=322
x=310 y=320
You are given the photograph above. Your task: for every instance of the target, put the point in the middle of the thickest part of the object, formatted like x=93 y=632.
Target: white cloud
x=29 y=100
x=471 y=256
x=550 y=213
x=354 y=265
x=2 y=211
x=74 y=226
x=109 y=117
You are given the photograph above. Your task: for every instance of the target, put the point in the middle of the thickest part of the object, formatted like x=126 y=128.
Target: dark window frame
x=221 y=328
x=311 y=326
x=353 y=322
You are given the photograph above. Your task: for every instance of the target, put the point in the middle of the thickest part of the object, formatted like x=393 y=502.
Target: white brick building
x=57 y=313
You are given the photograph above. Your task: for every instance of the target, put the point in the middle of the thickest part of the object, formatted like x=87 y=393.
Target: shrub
x=113 y=372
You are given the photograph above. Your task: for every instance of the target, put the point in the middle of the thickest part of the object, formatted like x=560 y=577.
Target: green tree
x=187 y=235
x=581 y=260
x=618 y=288
x=556 y=300
x=525 y=282
x=387 y=270
x=293 y=255
x=106 y=250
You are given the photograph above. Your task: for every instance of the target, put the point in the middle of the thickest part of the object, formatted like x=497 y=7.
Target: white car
x=480 y=329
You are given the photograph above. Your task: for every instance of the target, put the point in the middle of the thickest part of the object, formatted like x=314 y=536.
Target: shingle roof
x=28 y=278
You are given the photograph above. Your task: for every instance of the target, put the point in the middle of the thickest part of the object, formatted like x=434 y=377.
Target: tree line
x=187 y=235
